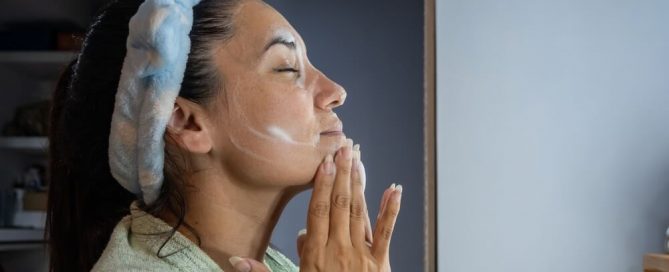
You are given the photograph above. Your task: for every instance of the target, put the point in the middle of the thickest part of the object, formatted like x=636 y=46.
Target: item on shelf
x=40 y=35
x=34 y=201
x=33 y=179
x=653 y=262
x=23 y=218
x=69 y=41
x=30 y=219
x=8 y=200
x=29 y=120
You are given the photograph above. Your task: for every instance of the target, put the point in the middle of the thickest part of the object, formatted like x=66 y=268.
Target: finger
x=341 y=195
x=318 y=221
x=368 y=224
x=357 y=207
x=369 y=237
x=384 y=200
x=301 y=237
x=247 y=265
x=386 y=224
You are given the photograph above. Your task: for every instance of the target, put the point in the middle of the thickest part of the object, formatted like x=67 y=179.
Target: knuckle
x=320 y=209
x=386 y=232
x=343 y=258
x=344 y=168
x=342 y=201
x=314 y=256
x=310 y=248
x=357 y=210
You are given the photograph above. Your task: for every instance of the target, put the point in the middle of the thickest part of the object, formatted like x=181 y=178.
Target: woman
x=177 y=142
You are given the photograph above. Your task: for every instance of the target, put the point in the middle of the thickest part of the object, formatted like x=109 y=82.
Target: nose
x=329 y=94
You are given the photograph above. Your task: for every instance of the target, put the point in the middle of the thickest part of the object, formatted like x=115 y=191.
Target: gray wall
x=553 y=134
x=375 y=50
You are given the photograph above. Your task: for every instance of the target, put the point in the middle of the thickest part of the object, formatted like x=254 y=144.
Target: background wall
x=375 y=50
x=553 y=134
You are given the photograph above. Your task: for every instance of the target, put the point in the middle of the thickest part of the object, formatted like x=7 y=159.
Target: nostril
x=342 y=96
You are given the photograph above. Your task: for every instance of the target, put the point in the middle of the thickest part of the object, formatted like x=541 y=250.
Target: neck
x=231 y=218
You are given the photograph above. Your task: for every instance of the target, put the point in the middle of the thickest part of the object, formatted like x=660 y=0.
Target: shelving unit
x=21 y=239
x=31 y=145
x=36 y=57
x=41 y=65
x=28 y=77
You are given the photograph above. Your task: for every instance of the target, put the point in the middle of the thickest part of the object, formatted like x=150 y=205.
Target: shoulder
x=141 y=242
x=120 y=255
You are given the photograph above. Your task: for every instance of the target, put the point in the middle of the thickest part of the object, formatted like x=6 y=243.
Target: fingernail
x=392 y=186
x=239 y=264
x=356 y=147
x=328 y=166
x=398 y=198
x=301 y=232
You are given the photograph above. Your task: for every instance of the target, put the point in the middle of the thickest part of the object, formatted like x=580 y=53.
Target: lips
x=334 y=129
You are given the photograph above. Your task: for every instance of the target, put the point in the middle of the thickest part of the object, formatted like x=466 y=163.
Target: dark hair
x=85 y=201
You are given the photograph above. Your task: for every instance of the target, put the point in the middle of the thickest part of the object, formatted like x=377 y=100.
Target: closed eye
x=288 y=70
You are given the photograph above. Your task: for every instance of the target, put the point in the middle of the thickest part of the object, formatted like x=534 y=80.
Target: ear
x=188 y=127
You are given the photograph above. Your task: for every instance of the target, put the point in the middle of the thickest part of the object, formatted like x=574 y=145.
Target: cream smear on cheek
x=280 y=134
x=272 y=133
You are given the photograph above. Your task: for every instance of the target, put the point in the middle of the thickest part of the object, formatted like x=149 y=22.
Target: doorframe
x=429 y=85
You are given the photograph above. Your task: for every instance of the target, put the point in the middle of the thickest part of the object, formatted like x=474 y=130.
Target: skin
x=266 y=137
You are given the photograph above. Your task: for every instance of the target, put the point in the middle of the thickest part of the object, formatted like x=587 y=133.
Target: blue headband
x=157 y=51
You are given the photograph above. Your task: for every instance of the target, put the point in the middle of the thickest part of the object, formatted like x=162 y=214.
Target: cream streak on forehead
x=286 y=35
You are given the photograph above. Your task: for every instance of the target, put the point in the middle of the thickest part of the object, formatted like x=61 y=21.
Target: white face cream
x=280 y=134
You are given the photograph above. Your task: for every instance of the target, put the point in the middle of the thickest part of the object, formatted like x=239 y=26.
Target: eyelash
x=290 y=70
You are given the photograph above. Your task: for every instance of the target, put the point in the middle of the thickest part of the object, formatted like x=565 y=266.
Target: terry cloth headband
x=157 y=50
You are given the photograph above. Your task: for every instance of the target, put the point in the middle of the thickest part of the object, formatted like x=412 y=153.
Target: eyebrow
x=281 y=40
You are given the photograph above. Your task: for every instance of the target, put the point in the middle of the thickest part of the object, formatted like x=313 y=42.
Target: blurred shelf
x=58 y=57
x=22 y=246
x=42 y=65
x=21 y=239
x=32 y=145
x=20 y=235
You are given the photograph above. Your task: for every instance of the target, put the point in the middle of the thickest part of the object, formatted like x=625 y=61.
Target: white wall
x=553 y=134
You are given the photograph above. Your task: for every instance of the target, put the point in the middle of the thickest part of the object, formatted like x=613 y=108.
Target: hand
x=339 y=235
x=335 y=238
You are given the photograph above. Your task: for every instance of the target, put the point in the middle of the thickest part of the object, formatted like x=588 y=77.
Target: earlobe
x=187 y=126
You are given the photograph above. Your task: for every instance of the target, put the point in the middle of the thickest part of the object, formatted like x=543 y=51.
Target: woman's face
x=274 y=119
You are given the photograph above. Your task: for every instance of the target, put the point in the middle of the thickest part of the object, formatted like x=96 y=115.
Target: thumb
x=301 y=237
x=247 y=265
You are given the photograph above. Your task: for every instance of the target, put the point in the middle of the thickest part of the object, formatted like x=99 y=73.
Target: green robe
x=136 y=239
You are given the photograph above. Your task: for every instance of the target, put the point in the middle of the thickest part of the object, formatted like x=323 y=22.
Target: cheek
x=273 y=138
x=266 y=162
